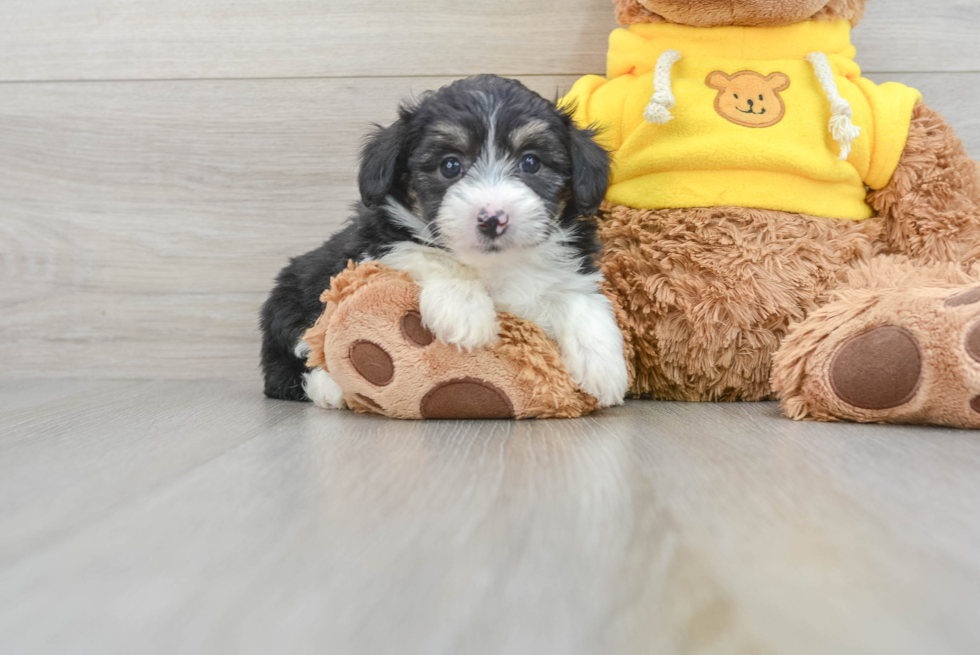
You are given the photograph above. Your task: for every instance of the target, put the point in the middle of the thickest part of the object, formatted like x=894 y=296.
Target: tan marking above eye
x=455 y=134
x=520 y=136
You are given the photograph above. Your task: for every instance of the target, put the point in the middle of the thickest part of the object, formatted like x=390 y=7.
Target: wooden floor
x=198 y=517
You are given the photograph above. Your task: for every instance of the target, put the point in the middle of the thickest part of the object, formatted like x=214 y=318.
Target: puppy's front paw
x=604 y=380
x=459 y=313
x=322 y=390
x=598 y=368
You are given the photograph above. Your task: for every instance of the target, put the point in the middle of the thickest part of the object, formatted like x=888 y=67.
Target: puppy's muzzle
x=492 y=221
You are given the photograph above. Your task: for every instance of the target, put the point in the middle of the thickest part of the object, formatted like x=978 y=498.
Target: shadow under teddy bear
x=776 y=226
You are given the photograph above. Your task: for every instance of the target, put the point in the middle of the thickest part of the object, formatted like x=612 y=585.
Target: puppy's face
x=489 y=179
x=489 y=166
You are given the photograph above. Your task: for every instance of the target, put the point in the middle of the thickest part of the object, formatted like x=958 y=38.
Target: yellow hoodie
x=773 y=118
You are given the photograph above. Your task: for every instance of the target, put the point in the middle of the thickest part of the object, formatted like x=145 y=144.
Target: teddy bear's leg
x=901 y=344
x=706 y=295
x=371 y=347
x=931 y=206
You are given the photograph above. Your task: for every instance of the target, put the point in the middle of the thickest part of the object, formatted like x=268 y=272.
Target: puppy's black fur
x=399 y=162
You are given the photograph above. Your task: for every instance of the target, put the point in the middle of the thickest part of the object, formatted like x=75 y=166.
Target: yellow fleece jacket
x=746 y=119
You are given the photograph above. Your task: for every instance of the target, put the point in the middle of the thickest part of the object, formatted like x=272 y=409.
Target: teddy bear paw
x=463 y=397
x=908 y=356
x=373 y=341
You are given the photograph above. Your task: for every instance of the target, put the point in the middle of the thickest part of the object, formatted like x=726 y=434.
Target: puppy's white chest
x=522 y=285
x=523 y=292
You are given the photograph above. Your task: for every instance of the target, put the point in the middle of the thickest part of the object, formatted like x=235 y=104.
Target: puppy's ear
x=382 y=158
x=590 y=170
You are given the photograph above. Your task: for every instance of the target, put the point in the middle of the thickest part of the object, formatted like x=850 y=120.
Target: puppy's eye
x=736 y=96
x=450 y=168
x=530 y=164
x=760 y=96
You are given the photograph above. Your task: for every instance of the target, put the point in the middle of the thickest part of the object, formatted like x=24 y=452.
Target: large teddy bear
x=776 y=226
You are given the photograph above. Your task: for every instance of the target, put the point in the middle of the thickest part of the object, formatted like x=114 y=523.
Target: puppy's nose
x=492 y=222
x=751 y=103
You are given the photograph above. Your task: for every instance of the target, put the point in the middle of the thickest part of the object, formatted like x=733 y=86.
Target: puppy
x=478 y=191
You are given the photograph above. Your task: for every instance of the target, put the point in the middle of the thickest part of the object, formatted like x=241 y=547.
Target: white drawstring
x=841 y=128
x=658 y=111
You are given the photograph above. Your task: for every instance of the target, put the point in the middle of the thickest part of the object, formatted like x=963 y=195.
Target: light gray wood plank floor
x=199 y=517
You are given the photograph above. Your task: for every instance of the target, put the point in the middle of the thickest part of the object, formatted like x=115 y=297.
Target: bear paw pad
x=878 y=369
x=466 y=398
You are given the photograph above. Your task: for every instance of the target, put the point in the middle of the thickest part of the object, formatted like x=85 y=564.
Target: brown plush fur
x=930 y=212
x=931 y=206
x=749 y=13
x=367 y=303
x=887 y=291
x=710 y=293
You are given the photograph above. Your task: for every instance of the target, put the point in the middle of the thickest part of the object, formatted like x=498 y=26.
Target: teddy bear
x=776 y=226
x=779 y=226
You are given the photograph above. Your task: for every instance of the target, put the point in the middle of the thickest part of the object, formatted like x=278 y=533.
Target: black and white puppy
x=478 y=191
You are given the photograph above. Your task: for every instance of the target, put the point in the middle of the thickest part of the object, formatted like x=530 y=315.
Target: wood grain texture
x=197 y=517
x=190 y=39
x=142 y=223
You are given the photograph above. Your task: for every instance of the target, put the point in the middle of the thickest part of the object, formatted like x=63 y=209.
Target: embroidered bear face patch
x=748 y=98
